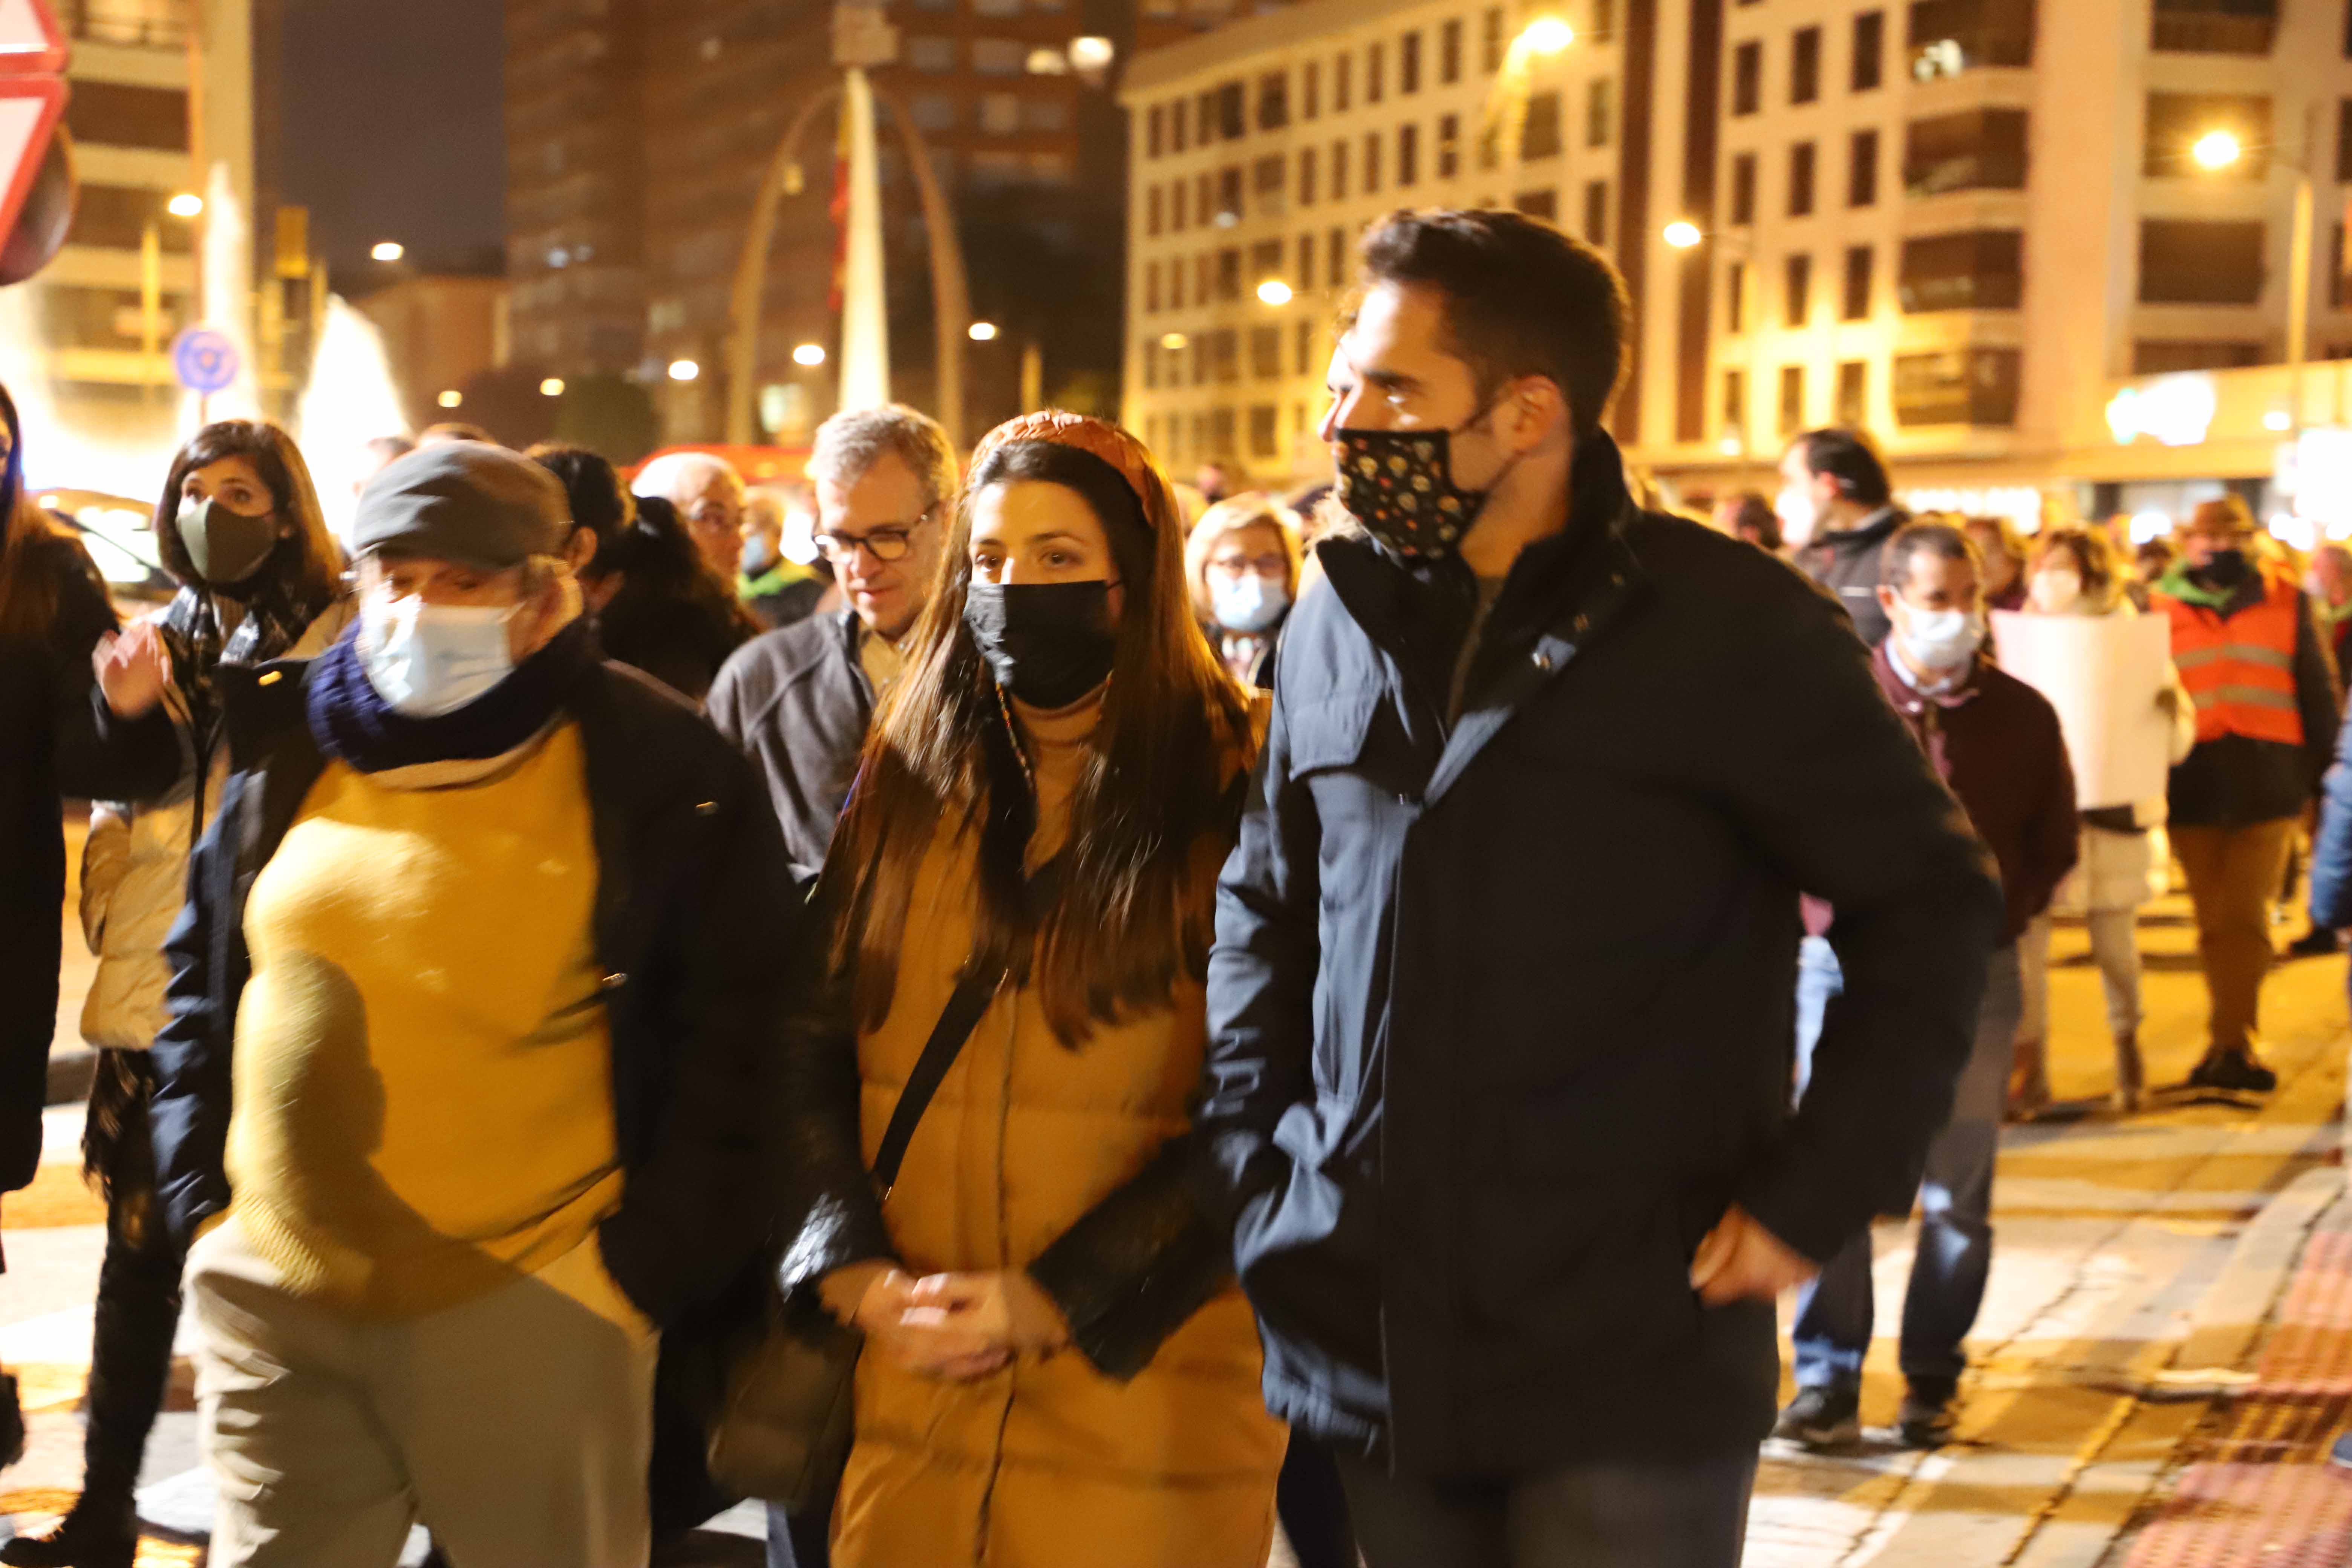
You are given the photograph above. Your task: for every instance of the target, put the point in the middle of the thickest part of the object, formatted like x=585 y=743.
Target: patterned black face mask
x=1400 y=485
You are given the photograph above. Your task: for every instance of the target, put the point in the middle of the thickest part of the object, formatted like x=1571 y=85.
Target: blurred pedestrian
x=1747 y=516
x=708 y=495
x=1498 y=1073
x=1241 y=565
x=798 y=702
x=1996 y=741
x=1058 y=1368
x=239 y=527
x=671 y=615
x=2075 y=572
x=450 y=430
x=2329 y=587
x=2003 y=550
x=600 y=510
x=62 y=739
x=498 y=1078
x=1837 y=511
x=2250 y=654
x=776 y=591
x=1214 y=483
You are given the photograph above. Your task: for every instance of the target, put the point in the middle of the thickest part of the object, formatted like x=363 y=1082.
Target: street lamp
x=1091 y=53
x=1503 y=118
x=2216 y=149
x=1682 y=234
x=981 y=331
x=684 y=370
x=1274 y=291
x=1173 y=340
x=388 y=250
x=552 y=387
x=453 y=398
x=187 y=204
x=809 y=354
x=2220 y=149
x=1547 y=35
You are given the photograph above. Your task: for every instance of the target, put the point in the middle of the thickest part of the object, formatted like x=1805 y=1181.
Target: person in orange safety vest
x=2247 y=649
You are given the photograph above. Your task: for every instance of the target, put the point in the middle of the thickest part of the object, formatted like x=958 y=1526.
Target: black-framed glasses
x=886 y=545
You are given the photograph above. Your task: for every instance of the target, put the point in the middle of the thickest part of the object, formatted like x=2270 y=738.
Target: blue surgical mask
x=1249 y=603
x=430 y=660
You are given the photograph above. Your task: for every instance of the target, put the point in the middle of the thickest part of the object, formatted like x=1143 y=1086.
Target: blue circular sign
x=204 y=359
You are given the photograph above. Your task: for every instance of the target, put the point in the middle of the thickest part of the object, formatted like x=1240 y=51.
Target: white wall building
x=1961 y=223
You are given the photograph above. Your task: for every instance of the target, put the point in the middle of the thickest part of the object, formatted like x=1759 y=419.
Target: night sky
x=392 y=127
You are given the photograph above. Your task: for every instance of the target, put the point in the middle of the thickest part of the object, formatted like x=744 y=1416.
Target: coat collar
x=1909 y=698
x=1570 y=589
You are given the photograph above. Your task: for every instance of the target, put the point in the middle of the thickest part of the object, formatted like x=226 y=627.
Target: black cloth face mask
x=225 y=546
x=2224 y=569
x=1400 y=485
x=1048 y=643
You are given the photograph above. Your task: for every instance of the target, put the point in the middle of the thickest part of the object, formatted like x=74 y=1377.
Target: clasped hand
x=133 y=668
x=953 y=1326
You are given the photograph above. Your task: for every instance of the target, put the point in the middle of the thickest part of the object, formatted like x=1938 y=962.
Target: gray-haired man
x=798 y=700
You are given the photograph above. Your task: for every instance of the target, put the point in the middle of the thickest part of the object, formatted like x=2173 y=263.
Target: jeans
x=1607 y=1515
x=1834 y=1312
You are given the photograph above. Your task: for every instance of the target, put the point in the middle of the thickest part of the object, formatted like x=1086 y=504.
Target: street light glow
x=809 y=354
x=684 y=370
x=1173 y=339
x=1048 y=62
x=2276 y=419
x=1547 y=35
x=1682 y=234
x=981 y=331
x=187 y=204
x=552 y=387
x=453 y=398
x=1091 y=53
x=2216 y=149
x=388 y=250
x=1274 y=291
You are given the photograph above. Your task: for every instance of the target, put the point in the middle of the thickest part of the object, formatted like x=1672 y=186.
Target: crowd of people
x=1224 y=1032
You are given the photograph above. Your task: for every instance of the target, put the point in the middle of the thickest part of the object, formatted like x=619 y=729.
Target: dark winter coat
x=1501 y=1012
x=56 y=738
x=1995 y=740
x=2331 y=846
x=797 y=702
x=1847 y=565
x=692 y=909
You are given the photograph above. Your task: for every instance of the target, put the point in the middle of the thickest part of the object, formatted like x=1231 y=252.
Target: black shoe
x=1928 y=1415
x=2235 y=1072
x=2320 y=943
x=80 y=1541
x=1822 y=1417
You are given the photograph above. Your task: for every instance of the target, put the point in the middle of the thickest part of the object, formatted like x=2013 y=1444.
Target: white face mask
x=1250 y=603
x=2055 y=591
x=430 y=660
x=1942 y=639
x=1798 y=515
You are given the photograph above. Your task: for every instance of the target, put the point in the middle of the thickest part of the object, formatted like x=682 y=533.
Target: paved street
x=2137 y=1264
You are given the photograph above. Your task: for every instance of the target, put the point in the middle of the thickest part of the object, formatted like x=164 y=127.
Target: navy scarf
x=352 y=722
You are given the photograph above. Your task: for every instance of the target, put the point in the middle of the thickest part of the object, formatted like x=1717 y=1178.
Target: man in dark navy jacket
x=1499 y=1071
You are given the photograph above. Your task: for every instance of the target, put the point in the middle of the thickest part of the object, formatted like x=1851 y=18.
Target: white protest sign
x=2102 y=673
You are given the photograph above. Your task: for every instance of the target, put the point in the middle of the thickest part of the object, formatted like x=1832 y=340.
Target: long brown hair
x=308 y=560
x=28 y=591
x=1152 y=812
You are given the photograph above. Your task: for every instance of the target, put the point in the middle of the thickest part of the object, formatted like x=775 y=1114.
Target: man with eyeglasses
x=798 y=700
x=708 y=495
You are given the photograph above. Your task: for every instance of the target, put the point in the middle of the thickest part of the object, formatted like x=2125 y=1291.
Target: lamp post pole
x=2298 y=302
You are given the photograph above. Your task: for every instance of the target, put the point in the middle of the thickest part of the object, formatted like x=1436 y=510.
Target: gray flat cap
x=463 y=501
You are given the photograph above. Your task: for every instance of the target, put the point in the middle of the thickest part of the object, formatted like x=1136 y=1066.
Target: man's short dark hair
x=1946 y=540
x=1521 y=298
x=1849 y=457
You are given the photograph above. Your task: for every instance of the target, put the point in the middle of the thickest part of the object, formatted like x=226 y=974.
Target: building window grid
x=1307 y=170
x=1799 y=279
x=1600 y=111
x=1408 y=163
x=1449 y=145
x=1805 y=65
x=1376 y=72
x=1371 y=163
x=1596 y=212
x=1449 y=52
x=1734 y=298
x=1409 y=63
x=1801 y=159
x=1748 y=78
x=1862 y=170
x=1869 y=51
x=1856 y=304
x=1490 y=40
x=1743 y=190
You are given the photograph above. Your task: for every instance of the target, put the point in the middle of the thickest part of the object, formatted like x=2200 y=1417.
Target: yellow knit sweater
x=422 y=1074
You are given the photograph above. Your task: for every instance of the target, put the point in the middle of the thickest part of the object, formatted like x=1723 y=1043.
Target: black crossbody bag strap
x=958 y=1019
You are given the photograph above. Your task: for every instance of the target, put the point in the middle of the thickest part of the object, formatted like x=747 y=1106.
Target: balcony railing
x=140 y=23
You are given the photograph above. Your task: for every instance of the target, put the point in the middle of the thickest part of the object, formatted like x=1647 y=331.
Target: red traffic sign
x=32 y=97
x=30 y=40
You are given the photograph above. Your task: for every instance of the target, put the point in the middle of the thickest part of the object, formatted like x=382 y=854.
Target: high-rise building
x=638 y=133
x=1967 y=226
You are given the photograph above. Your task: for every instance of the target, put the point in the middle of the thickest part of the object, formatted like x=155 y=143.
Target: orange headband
x=1109 y=442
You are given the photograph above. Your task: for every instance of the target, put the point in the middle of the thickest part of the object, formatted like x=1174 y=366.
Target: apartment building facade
x=1964 y=225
